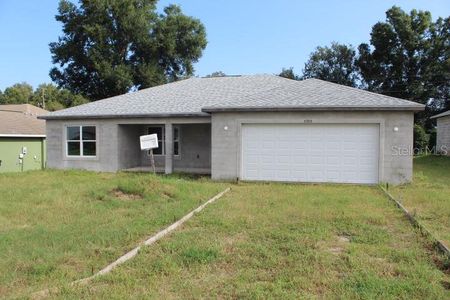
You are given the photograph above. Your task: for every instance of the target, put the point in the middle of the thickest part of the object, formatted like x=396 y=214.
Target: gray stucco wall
x=107 y=158
x=443 y=135
x=118 y=144
x=129 y=147
x=395 y=146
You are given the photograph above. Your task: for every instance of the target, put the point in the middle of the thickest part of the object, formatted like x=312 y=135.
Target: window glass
x=73 y=133
x=176 y=141
x=73 y=148
x=176 y=133
x=88 y=133
x=176 y=148
x=89 y=149
x=159 y=131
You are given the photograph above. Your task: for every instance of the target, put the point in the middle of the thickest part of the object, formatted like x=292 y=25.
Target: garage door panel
x=334 y=160
x=317 y=160
x=348 y=162
x=253 y=144
x=316 y=176
x=299 y=159
x=268 y=144
x=284 y=159
x=252 y=160
x=333 y=176
x=284 y=145
x=310 y=152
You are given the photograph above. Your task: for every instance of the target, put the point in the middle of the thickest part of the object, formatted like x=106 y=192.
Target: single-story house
x=22 y=138
x=443 y=132
x=260 y=127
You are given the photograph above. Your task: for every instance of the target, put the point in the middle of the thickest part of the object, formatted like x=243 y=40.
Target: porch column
x=169 y=148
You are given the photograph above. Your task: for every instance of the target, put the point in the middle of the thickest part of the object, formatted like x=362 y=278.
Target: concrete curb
x=129 y=255
x=424 y=230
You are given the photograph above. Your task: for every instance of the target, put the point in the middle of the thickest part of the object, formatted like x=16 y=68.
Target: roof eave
x=125 y=116
x=442 y=115
x=16 y=135
x=313 y=108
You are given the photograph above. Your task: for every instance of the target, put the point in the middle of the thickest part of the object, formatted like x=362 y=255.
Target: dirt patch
x=343 y=239
x=124 y=196
x=336 y=250
x=168 y=195
x=446 y=285
x=339 y=247
x=440 y=261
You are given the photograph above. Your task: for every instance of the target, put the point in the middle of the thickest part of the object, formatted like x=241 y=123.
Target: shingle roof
x=21 y=120
x=444 y=114
x=197 y=96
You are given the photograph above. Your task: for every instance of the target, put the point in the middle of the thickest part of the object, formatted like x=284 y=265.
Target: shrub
x=421 y=138
x=432 y=138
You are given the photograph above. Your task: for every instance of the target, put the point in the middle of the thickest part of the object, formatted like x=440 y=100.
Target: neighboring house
x=259 y=127
x=22 y=138
x=443 y=132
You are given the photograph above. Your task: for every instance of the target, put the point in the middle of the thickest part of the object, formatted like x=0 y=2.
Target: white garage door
x=346 y=153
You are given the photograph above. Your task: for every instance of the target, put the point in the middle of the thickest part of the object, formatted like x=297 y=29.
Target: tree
x=47 y=96
x=335 y=63
x=421 y=138
x=409 y=57
x=19 y=93
x=110 y=47
x=438 y=71
x=289 y=73
x=50 y=97
x=216 y=74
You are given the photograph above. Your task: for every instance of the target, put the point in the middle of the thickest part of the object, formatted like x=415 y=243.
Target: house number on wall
x=308 y=121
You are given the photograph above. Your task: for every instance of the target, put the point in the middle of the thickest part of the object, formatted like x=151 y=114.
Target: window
x=176 y=140
x=159 y=131
x=81 y=141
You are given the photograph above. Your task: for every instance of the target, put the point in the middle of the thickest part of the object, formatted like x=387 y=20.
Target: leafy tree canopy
x=408 y=57
x=335 y=63
x=289 y=73
x=216 y=74
x=110 y=47
x=47 y=96
x=19 y=93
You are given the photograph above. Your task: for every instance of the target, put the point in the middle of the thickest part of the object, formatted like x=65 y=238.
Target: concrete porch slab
x=147 y=169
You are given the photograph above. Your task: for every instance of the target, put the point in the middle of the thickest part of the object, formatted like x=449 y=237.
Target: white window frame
x=81 y=141
x=161 y=139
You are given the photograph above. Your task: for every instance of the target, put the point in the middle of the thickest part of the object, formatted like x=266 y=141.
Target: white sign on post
x=149 y=141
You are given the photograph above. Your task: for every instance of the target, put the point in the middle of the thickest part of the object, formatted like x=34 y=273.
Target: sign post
x=152 y=161
x=149 y=142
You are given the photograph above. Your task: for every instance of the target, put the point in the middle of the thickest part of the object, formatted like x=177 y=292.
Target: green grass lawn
x=429 y=194
x=58 y=226
x=283 y=241
x=258 y=241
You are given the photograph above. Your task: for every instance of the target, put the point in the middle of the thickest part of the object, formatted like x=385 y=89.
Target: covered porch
x=183 y=147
